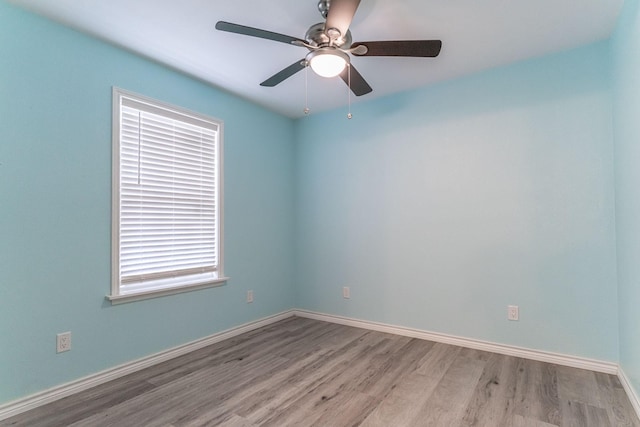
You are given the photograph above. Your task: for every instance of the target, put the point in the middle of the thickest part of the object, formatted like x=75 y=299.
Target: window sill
x=138 y=296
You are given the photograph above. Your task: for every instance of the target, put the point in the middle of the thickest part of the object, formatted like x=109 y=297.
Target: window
x=167 y=199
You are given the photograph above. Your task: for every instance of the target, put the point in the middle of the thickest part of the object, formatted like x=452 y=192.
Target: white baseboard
x=47 y=396
x=541 y=356
x=631 y=392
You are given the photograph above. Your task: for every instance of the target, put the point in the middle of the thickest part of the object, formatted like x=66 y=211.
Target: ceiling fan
x=329 y=44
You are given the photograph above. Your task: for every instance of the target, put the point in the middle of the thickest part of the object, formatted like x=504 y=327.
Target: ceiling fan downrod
x=323 y=7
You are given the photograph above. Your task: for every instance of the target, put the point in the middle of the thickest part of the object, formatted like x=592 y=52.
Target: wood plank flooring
x=302 y=372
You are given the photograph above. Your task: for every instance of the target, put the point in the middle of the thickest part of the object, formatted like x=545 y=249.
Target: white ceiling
x=476 y=35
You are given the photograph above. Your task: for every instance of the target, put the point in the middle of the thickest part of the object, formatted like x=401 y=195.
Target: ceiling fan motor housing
x=317 y=36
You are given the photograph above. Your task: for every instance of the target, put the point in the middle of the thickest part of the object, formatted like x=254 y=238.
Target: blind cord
x=139 y=143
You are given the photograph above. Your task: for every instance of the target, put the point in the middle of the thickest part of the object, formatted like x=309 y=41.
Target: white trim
x=115 y=190
x=122 y=299
x=541 y=356
x=47 y=396
x=634 y=398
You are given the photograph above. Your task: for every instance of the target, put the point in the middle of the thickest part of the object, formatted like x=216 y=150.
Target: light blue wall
x=626 y=48
x=442 y=206
x=55 y=211
x=437 y=207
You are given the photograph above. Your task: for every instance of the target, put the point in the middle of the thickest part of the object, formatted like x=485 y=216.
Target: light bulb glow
x=327 y=62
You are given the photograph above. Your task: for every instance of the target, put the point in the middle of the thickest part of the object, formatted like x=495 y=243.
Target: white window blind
x=168 y=198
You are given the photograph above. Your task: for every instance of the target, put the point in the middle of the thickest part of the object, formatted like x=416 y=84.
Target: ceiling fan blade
x=341 y=14
x=358 y=84
x=256 y=32
x=415 y=48
x=280 y=76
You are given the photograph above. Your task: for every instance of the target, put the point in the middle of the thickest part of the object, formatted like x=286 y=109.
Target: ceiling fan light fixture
x=327 y=61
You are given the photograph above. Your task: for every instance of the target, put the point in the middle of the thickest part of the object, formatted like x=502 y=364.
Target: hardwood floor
x=302 y=372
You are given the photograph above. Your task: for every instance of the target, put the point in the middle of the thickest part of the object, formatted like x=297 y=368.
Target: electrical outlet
x=63 y=342
x=249 y=296
x=513 y=312
x=346 y=292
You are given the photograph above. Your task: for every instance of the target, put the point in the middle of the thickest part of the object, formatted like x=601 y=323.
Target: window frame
x=117 y=296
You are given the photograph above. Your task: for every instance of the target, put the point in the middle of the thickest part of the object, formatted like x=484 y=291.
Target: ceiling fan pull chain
x=306 y=88
x=349 y=116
